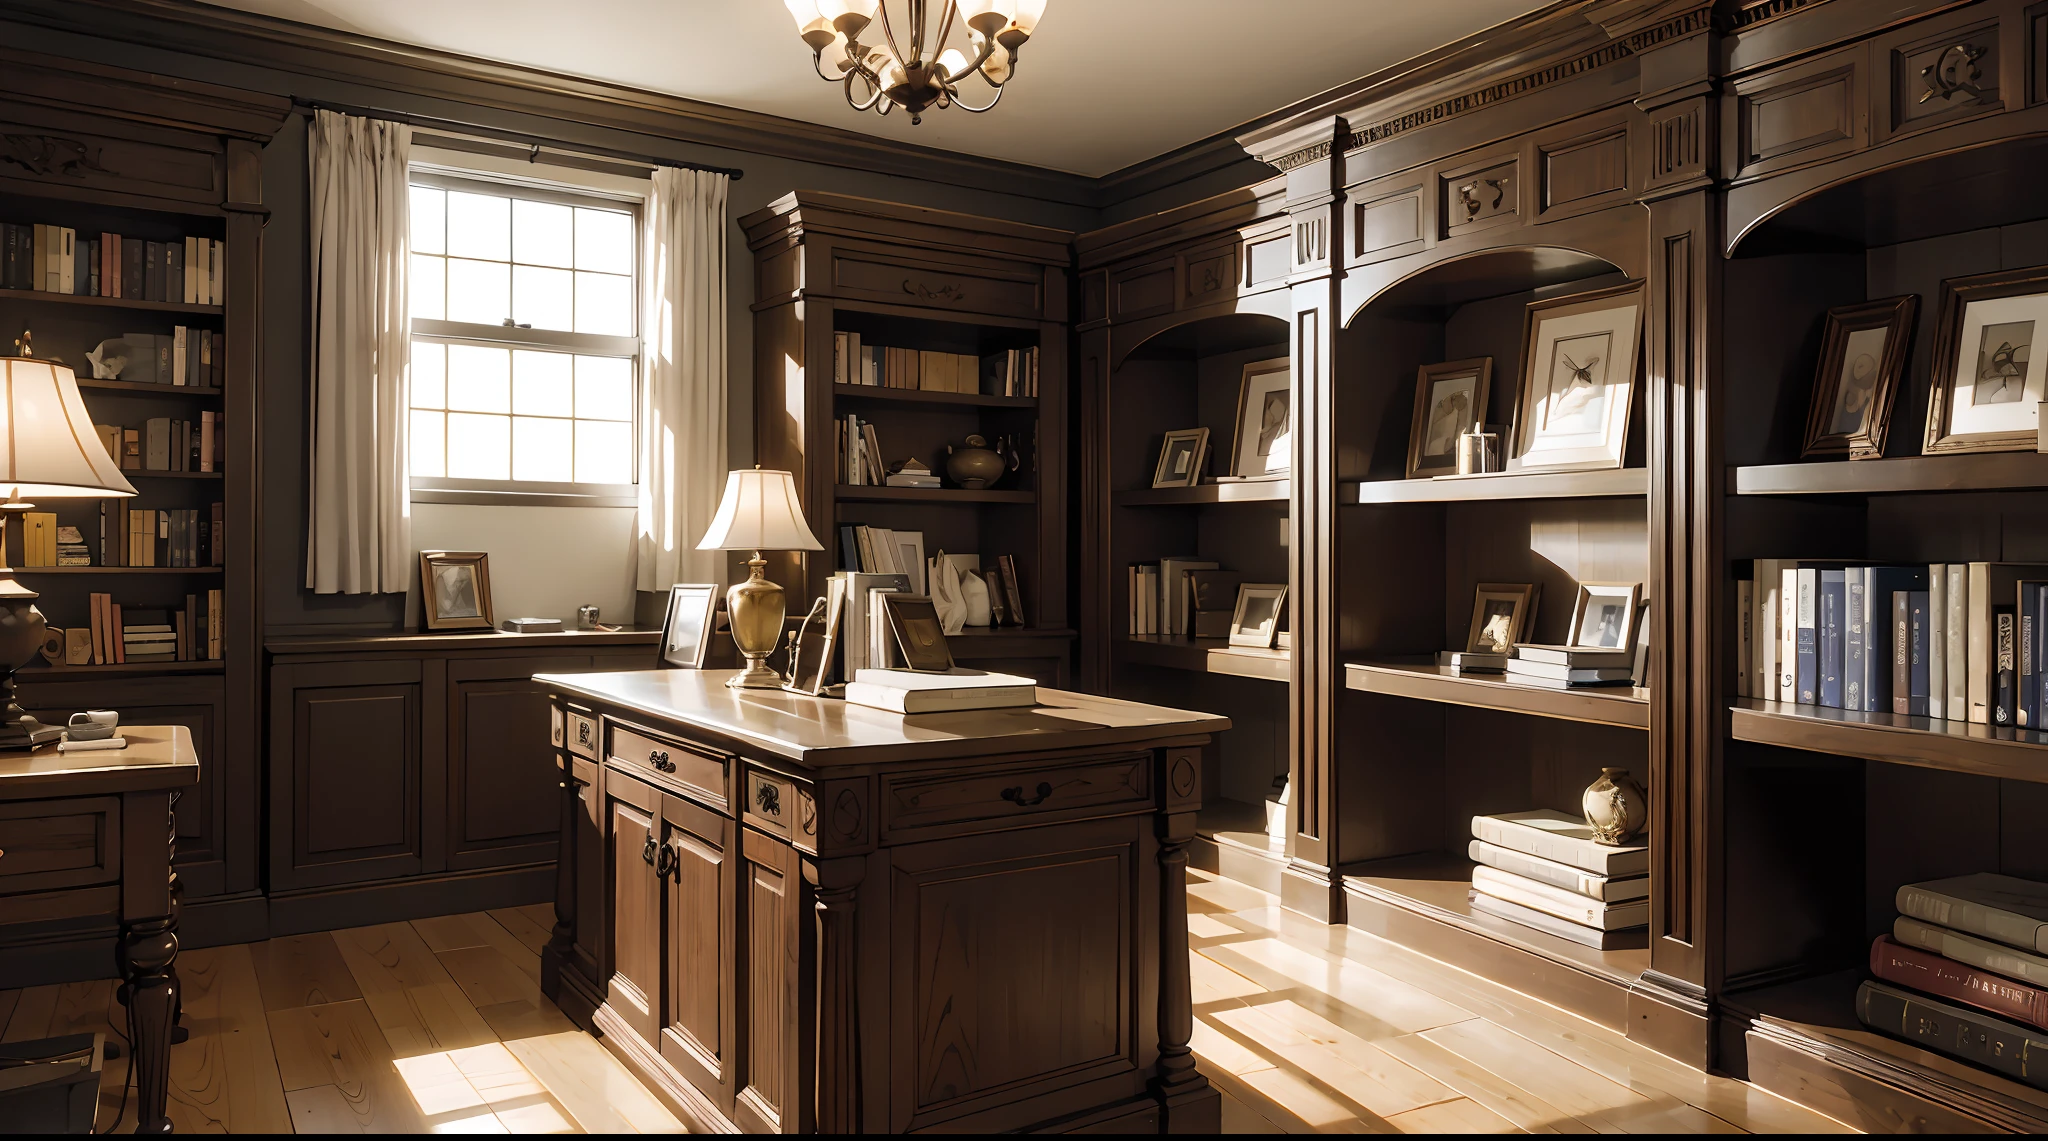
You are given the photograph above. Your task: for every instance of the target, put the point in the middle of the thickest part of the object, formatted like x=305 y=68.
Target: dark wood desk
x=85 y=834
x=791 y=914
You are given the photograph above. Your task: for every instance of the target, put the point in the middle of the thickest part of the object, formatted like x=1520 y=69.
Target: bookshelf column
x=243 y=297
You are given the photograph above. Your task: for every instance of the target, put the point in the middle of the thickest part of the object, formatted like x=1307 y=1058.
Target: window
x=524 y=354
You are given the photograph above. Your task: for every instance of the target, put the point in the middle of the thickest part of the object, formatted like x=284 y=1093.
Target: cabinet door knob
x=647 y=851
x=668 y=861
x=1016 y=795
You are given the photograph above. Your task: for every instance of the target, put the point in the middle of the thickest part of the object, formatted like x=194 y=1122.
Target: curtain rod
x=307 y=106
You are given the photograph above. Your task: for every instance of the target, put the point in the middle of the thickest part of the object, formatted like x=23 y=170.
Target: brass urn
x=1616 y=807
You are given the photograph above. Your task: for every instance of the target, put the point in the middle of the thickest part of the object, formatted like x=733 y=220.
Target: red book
x=1943 y=977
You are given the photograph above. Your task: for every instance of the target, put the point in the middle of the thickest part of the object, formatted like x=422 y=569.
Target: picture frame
x=1604 y=616
x=1502 y=613
x=1263 y=442
x=1180 y=458
x=910 y=559
x=687 y=625
x=1580 y=355
x=1862 y=359
x=455 y=590
x=914 y=626
x=1988 y=381
x=813 y=651
x=1256 y=621
x=1448 y=398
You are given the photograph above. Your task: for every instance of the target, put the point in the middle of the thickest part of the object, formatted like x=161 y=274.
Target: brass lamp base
x=756 y=610
x=21 y=639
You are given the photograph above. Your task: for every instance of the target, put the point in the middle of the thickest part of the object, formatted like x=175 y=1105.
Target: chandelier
x=879 y=73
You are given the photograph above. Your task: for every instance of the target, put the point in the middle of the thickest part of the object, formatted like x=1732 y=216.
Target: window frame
x=517 y=492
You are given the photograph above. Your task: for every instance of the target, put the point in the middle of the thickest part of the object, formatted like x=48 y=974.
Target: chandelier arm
x=889 y=31
x=874 y=85
x=818 y=65
x=964 y=105
x=988 y=48
x=945 y=28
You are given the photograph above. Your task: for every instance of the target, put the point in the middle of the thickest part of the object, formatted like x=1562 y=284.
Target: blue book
x=1879 y=584
x=1828 y=631
x=1855 y=663
x=1916 y=653
x=1806 y=671
x=2029 y=654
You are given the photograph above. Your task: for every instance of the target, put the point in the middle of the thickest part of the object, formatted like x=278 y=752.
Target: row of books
x=166 y=444
x=161 y=537
x=1005 y=372
x=185 y=357
x=1183 y=597
x=1953 y=641
x=135 y=635
x=860 y=456
x=46 y=544
x=54 y=259
x=1543 y=870
x=1963 y=972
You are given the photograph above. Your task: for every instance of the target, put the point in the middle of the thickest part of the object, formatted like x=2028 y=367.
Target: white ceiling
x=1104 y=83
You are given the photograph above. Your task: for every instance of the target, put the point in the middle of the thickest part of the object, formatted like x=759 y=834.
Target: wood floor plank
x=542 y=914
x=1525 y=1110
x=224 y=1079
x=416 y=1003
x=1214 y=982
x=1606 y=1106
x=32 y=1014
x=599 y=1091
x=1278 y=965
x=1216 y=1049
x=449 y=932
x=533 y=936
x=339 y=1044
x=1314 y=1110
x=519 y=1099
x=321 y=1109
x=1241 y=1118
x=1460 y=1116
x=447 y=1099
x=1399 y=1078
x=1314 y=1060
x=504 y=996
x=9 y=999
x=1223 y=895
x=302 y=970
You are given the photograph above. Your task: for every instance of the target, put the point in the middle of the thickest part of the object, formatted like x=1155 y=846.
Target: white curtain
x=360 y=537
x=682 y=401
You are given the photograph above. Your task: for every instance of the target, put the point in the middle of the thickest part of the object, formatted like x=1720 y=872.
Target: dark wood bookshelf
x=1958 y=746
x=1980 y=471
x=42 y=298
x=919 y=396
x=1616 y=482
x=1426 y=681
x=1207 y=655
x=149 y=387
x=119 y=570
x=1239 y=491
x=855 y=493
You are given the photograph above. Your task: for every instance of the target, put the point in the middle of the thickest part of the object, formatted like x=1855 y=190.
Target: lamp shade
x=47 y=442
x=760 y=512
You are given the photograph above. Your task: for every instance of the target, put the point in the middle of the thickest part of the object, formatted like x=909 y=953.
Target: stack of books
x=1570 y=667
x=905 y=691
x=1543 y=869
x=1963 y=972
x=194 y=633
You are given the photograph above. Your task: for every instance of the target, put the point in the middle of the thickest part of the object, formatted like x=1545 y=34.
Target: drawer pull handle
x=667 y=861
x=647 y=851
x=1016 y=795
x=659 y=759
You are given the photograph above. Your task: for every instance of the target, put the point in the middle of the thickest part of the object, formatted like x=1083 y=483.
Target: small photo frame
x=811 y=654
x=1180 y=458
x=1604 y=617
x=1989 y=373
x=910 y=560
x=455 y=590
x=1862 y=358
x=1501 y=616
x=1578 y=380
x=1449 y=398
x=914 y=625
x=1265 y=420
x=687 y=624
x=1256 y=621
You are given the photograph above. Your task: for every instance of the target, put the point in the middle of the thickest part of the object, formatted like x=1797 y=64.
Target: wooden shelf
x=977 y=643
x=1987 y=471
x=1614 y=483
x=850 y=493
x=1208 y=655
x=1246 y=491
x=125 y=669
x=118 y=570
x=1957 y=746
x=42 y=298
x=1620 y=705
x=148 y=387
x=919 y=396
x=174 y=474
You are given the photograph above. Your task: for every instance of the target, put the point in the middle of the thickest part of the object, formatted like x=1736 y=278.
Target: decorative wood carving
x=51 y=155
x=923 y=292
x=1757 y=11
x=1678 y=144
x=1311 y=241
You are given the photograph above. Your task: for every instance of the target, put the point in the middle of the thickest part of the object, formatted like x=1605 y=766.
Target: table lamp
x=48 y=448
x=759 y=513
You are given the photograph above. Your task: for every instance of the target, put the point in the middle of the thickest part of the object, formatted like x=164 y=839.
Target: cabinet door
x=346 y=772
x=775 y=917
x=634 y=991
x=700 y=1033
x=503 y=786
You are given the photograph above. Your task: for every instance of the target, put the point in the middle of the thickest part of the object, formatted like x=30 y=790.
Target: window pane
x=542 y=297
x=479 y=226
x=604 y=452
x=427 y=458
x=540 y=449
x=479 y=379
x=429 y=220
x=540 y=385
x=604 y=304
x=425 y=288
x=604 y=388
x=429 y=375
x=479 y=447
x=479 y=291
x=604 y=241
x=542 y=234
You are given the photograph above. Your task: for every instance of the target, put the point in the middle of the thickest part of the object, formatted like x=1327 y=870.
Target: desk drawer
x=50 y=844
x=1055 y=790
x=670 y=761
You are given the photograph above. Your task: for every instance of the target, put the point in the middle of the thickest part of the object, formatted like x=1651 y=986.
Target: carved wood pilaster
x=1095 y=584
x=835 y=885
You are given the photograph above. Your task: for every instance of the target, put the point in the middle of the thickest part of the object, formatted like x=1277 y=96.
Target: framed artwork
x=1265 y=421
x=1180 y=458
x=1604 y=618
x=817 y=640
x=1501 y=614
x=455 y=590
x=1862 y=358
x=687 y=624
x=909 y=553
x=1578 y=380
x=1988 y=380
x=1257 y=618
x=914 y=624
x=1449 y=398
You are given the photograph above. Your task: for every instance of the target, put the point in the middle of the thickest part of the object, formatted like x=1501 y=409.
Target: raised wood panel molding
x=1583 y=169
x=355 y=765
x=1266 y=260
x=1808 y=117
x=1142 y=291
x=1209 y=275
x=1943 y=76
x=1388 y=224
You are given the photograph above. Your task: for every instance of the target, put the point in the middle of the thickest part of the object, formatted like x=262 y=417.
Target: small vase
x=1616 y=807
x=973 y=465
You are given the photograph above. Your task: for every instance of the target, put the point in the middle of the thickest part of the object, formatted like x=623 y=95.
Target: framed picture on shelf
x=455 y=590
x=1578 y=380
x=914 y=626
x=1264 y=444
x=1501 y=614
x=1604 y=617
x=687 y=624
x=1256 y=621
x=1988 y=380
x=1449 y=398
x=910 y=558
x=1862 y=358
x=1180 y=458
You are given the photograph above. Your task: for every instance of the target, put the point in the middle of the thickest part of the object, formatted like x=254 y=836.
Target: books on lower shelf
x=167 y=444
x=1183 y=597
x=1004 y=372
x=140 y=635
x=1543 y=869
x=59 y=259
x=185 y=537
x=1565 y=839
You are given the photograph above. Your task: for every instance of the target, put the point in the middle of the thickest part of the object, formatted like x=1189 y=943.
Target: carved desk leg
x=838 y=1067
x=148 y=954
x=563 y=938
x=1191 y=1105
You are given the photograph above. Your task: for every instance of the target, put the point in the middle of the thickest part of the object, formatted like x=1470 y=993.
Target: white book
x=1969 y=949
x=1567 y=839
x=1552 y=671
x=1577 y=656
x=1937 y=641
x=1131 y=598
x=1745 y=633
x=1958 y=641
x=1788 y=633
x=938 y=700
x=67 y=260
x=1609 y=888
x=853 y=640
x=1568 y=905
x=179 y=347
x=2007 y=909
x=1763 y=665
x=959 y=677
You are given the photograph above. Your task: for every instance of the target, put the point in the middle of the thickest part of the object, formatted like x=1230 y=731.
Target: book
x=1828 y=631
x=1808 y=646
x=2008 y=909
x=1566 y=839
x=1944 y=978
x=1173 y=589
x=1917 y=647
x=2005 y=684
x=1957 y=670
x=1902 y=652
x=1979 y=1039
x=1788 y=633
x=1855 y=661
x=1519 y=669
x=1550 y=924
x=859 y=588
x=1879 y=584
x=1013 y=591
x=1971 y=950
x=1579 y=657
x=1937 y=640
x=902 y=691
x=2026 y=632
x=1988 y=585
x=1459 y=660
x=1745 y=633
x=1558 y=902
x=1613 y=889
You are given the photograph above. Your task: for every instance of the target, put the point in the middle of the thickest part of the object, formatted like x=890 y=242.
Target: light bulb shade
x=832 y=58
x=997 y=66
x=48 y=446
x=833 y=9
x=969 y=9
x=804 y=12
x=760 y=512
x=1029 y=12
x=953 y=64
